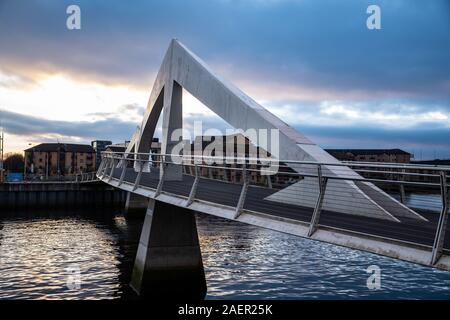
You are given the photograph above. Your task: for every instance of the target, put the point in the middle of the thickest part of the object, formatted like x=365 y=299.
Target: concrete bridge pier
x=168 y=262
x=135 y=203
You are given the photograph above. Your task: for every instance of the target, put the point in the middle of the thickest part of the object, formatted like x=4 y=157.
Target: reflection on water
x=247 y=262
x=241 y=262
x=37 y=255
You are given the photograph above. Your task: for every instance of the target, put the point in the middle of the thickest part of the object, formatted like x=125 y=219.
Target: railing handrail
x=334 y=176
x=268 y=160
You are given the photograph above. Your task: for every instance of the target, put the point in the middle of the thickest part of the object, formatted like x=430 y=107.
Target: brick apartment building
x=242 y=148
x=59 y=159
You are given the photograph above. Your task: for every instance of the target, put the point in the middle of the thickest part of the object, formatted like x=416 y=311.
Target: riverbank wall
x=59 y=195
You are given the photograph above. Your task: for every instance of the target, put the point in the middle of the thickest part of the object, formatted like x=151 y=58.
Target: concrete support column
x=168 y=262
x=172 y=120
x=135 y=203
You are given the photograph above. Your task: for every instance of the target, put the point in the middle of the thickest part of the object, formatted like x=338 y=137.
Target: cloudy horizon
x=314 y=64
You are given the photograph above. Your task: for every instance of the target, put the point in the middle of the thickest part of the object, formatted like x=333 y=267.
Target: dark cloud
x=308 y=43
x=29 y=126
x=425 y=139
x=132 y=110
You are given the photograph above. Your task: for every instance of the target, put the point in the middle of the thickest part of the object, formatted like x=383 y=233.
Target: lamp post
x=29 y=162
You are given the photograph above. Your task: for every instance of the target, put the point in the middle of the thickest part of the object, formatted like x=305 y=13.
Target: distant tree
x=14 y=162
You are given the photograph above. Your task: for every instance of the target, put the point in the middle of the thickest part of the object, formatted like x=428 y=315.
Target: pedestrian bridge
x=310 y=193
x=416 y=239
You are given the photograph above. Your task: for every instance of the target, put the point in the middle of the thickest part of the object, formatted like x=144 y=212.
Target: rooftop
x=440 y=162
x=66 y=147
x=368 y=151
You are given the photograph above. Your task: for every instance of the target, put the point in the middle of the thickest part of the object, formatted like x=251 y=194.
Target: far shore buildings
x=237 y=145
x=64 y=160
x=59 y=159
x=371 y=155
x=241 y=147
x=436 y=162
x=121 y=147
x=99 y=146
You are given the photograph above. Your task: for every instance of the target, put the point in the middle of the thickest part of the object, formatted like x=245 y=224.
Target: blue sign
x=14 y=177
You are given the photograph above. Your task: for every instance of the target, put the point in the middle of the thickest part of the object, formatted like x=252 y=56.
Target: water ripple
x=36 y=254
x=247 y=262
x=241 y=262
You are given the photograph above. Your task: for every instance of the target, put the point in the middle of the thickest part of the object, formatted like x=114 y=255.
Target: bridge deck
x=225 y=193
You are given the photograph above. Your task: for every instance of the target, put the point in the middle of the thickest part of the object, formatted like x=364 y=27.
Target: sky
x=313 y=63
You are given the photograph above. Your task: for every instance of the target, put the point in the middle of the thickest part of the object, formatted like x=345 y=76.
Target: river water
x=40 y=251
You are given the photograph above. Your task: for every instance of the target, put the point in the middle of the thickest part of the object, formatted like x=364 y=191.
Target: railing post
x=225 y=172
x=210 y=173
x=113 y=164
x=76 y=178
x=100 y=167
x=105 y=167
x=402 y=189
x=194 y=187
x=318 y=208
x=138 y=177
x=269 y=181
x=240 y=205
x=100 y=170
x=161 y=180
x=402 y=194
x=443 y=217
x=124 y=169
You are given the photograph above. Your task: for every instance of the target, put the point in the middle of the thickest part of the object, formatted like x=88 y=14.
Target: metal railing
x=429 y=184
